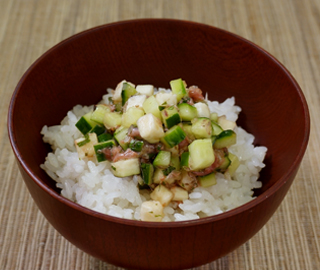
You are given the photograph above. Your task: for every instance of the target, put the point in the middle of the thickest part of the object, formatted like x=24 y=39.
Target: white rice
x=94 y=186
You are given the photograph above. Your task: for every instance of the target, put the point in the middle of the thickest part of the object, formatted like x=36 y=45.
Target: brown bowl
x=79 y=69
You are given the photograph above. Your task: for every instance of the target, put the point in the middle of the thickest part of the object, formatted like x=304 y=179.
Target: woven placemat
x=290 y=30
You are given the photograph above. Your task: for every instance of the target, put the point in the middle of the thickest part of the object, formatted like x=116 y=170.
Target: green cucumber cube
x=150 y=105
x=225 y=139
x=184 y=160
x=170 y=116
x=235 y=163
x=187 y=112
x=128 y=90
x=201 y=154
x=178 y=88
x=99 y=112
x=120 y=135
x=126 y=167
x=147 y=171
x=201 y=128
x=162 y=160
x=85 y=124
x=207 y=180
x=173 y=136
x=98 y=148
x=98 y=129
x=104 y=137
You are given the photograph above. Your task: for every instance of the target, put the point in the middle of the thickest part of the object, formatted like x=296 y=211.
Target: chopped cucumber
x=147 y=173
x=120 y=135
x=173 y=136
x=150 y=128
x=128 y=90
x=201 y=154
x=175 y=162
x=170 y=116
x=104 y=137
x=225 y=164
x=202 y=109
x=145 y=89
x=216 y=129
x=214 y=117
x=213 y=139
x=112 y=120
x=184 y=160
x=162 y=160
x=187 y=112
x=201 y=128
x=178 y=88
x=207 y=180
x=165 y=98
x=150 y=105
x=98 y=129
x=226 y=124
x=161 y=194
x=131 y=116
x=98 y=149
x=225 y=139
x=235 y=163
x=85 y=124
x=99 y=112
x=127 y=167
x=187 y=128
x=85 y=145
x=136 y=145
x=179 y=193
x=136 y=101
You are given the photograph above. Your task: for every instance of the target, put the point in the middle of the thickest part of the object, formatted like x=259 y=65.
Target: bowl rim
x=176 y=224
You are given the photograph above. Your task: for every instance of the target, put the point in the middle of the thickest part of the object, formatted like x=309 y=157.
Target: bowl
x=79 y=69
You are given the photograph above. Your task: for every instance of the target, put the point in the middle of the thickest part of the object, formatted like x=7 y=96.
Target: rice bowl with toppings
x=89 y=176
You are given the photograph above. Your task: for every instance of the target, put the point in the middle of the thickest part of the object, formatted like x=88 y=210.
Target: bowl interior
x=78 y=71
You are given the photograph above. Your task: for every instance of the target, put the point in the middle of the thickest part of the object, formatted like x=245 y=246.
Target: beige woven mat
x=290 y=30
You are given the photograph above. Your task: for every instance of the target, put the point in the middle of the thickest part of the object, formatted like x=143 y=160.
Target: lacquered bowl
x=154 y=51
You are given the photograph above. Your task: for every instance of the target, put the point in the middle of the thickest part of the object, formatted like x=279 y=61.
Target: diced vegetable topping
x=187 y=111
x=208 y=180
x=147 y=173
x=202 y=109
x=98 y=148
x=145 y=89
x=162 y=194
x=85 y=145
x=150 y=105
x=178 y=88
x=128 y=90
x=131 y=116
x=99 y=112
x=170 y=117
x=151 y=211
x=85 y=124
x=162 y=160
x=201 y=128
x=170 y=139
x=126 y=167
x=150 y=128
x=174 y=136
x=225 y=139
x=201 y=154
